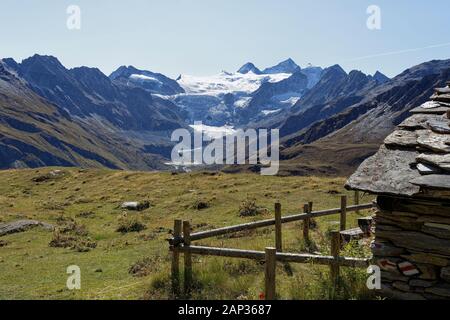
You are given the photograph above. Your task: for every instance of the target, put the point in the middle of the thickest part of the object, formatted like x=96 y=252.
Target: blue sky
x=202 y=37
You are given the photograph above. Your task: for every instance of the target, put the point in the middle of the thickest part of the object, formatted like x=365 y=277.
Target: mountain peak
x=153 y=82
x=40 y=64
x=11 y=63
x=356 y=73
x=123 y=71
x=44 y=59
x=286 y=66
x=87 y=72
x=249 y=67
x=2 y=68
x=335 y=70
x=288 y=61
x=380 y=78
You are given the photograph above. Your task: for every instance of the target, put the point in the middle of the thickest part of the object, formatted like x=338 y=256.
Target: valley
x=125 y=120
x=202 y=156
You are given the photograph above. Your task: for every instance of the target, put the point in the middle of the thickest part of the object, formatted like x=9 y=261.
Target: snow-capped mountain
x=287 y=66
x=155 y=83
x=249 y=94
x=80 y=116
x=249 y=67
x=223 y=98
x=274 y=97
x=314 y=74
x=226 y=82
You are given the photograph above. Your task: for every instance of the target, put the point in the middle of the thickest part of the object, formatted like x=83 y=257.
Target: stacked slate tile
x=410 y=175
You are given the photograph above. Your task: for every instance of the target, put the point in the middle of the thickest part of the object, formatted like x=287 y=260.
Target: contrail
x=399 y=52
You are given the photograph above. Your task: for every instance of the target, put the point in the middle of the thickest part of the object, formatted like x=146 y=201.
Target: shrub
x=84 y=245
x=241 y=267
x=160 y=287
x=130 y=224
x=70 y=234
x=60 y=240
x=85 y=214
x=146 y=266
x=73 y=227
x=200 y=204
x=248 y=208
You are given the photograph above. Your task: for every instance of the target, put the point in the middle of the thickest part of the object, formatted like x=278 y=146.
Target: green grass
x=31 y=269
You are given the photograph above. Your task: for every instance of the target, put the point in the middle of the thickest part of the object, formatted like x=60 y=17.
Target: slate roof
x=416 y=156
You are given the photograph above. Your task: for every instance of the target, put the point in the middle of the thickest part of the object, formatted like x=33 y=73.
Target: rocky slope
x=329 y=120
x=274 y=97
x=88 y=93
x=35 y=132
x=249 y=67
x=155 y=83
x=353 y=127
x=287 y=66
x=249 y=95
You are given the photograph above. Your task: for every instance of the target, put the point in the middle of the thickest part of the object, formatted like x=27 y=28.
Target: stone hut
x=410 y=175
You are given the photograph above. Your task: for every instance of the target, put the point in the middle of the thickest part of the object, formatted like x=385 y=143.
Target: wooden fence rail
x=267 y=223
x=280 y=256
x=182 y=243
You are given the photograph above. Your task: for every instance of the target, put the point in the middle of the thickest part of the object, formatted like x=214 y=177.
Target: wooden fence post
x=343 y=213
x=278 y=234
x=306 y=209
x=270 y=271
x=310 y=205
x=357 y=200
x=176 y=259
x=335 y=248
x=187 y=257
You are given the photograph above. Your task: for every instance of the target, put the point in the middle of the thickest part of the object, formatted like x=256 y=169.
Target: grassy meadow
x=84 y=206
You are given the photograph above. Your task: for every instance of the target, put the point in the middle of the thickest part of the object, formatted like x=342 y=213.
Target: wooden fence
x=182 y=239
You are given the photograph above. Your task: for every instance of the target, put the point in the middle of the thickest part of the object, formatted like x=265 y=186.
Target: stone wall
x=412 y=248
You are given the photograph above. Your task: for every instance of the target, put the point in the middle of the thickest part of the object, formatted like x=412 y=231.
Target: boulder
x=21 y=226
x=442 y=290
x=434 y=141
x=437 y=229
x=430 y=296
x=401 y=138
x=421 y=283
x=427 y=258
x=434 y=219
x=439 y=125
x=404 y=222
x=400 y=285
x=445 y=273
x=427 y=272
x=402 y=214
x=417 y=241
x=385 y=227
x=395 y=294
x=390 y=276
x=439 y=160
x=408 y=269
x=385 y=249
x=135 y=205
x=48 y=176
x=387 y=264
